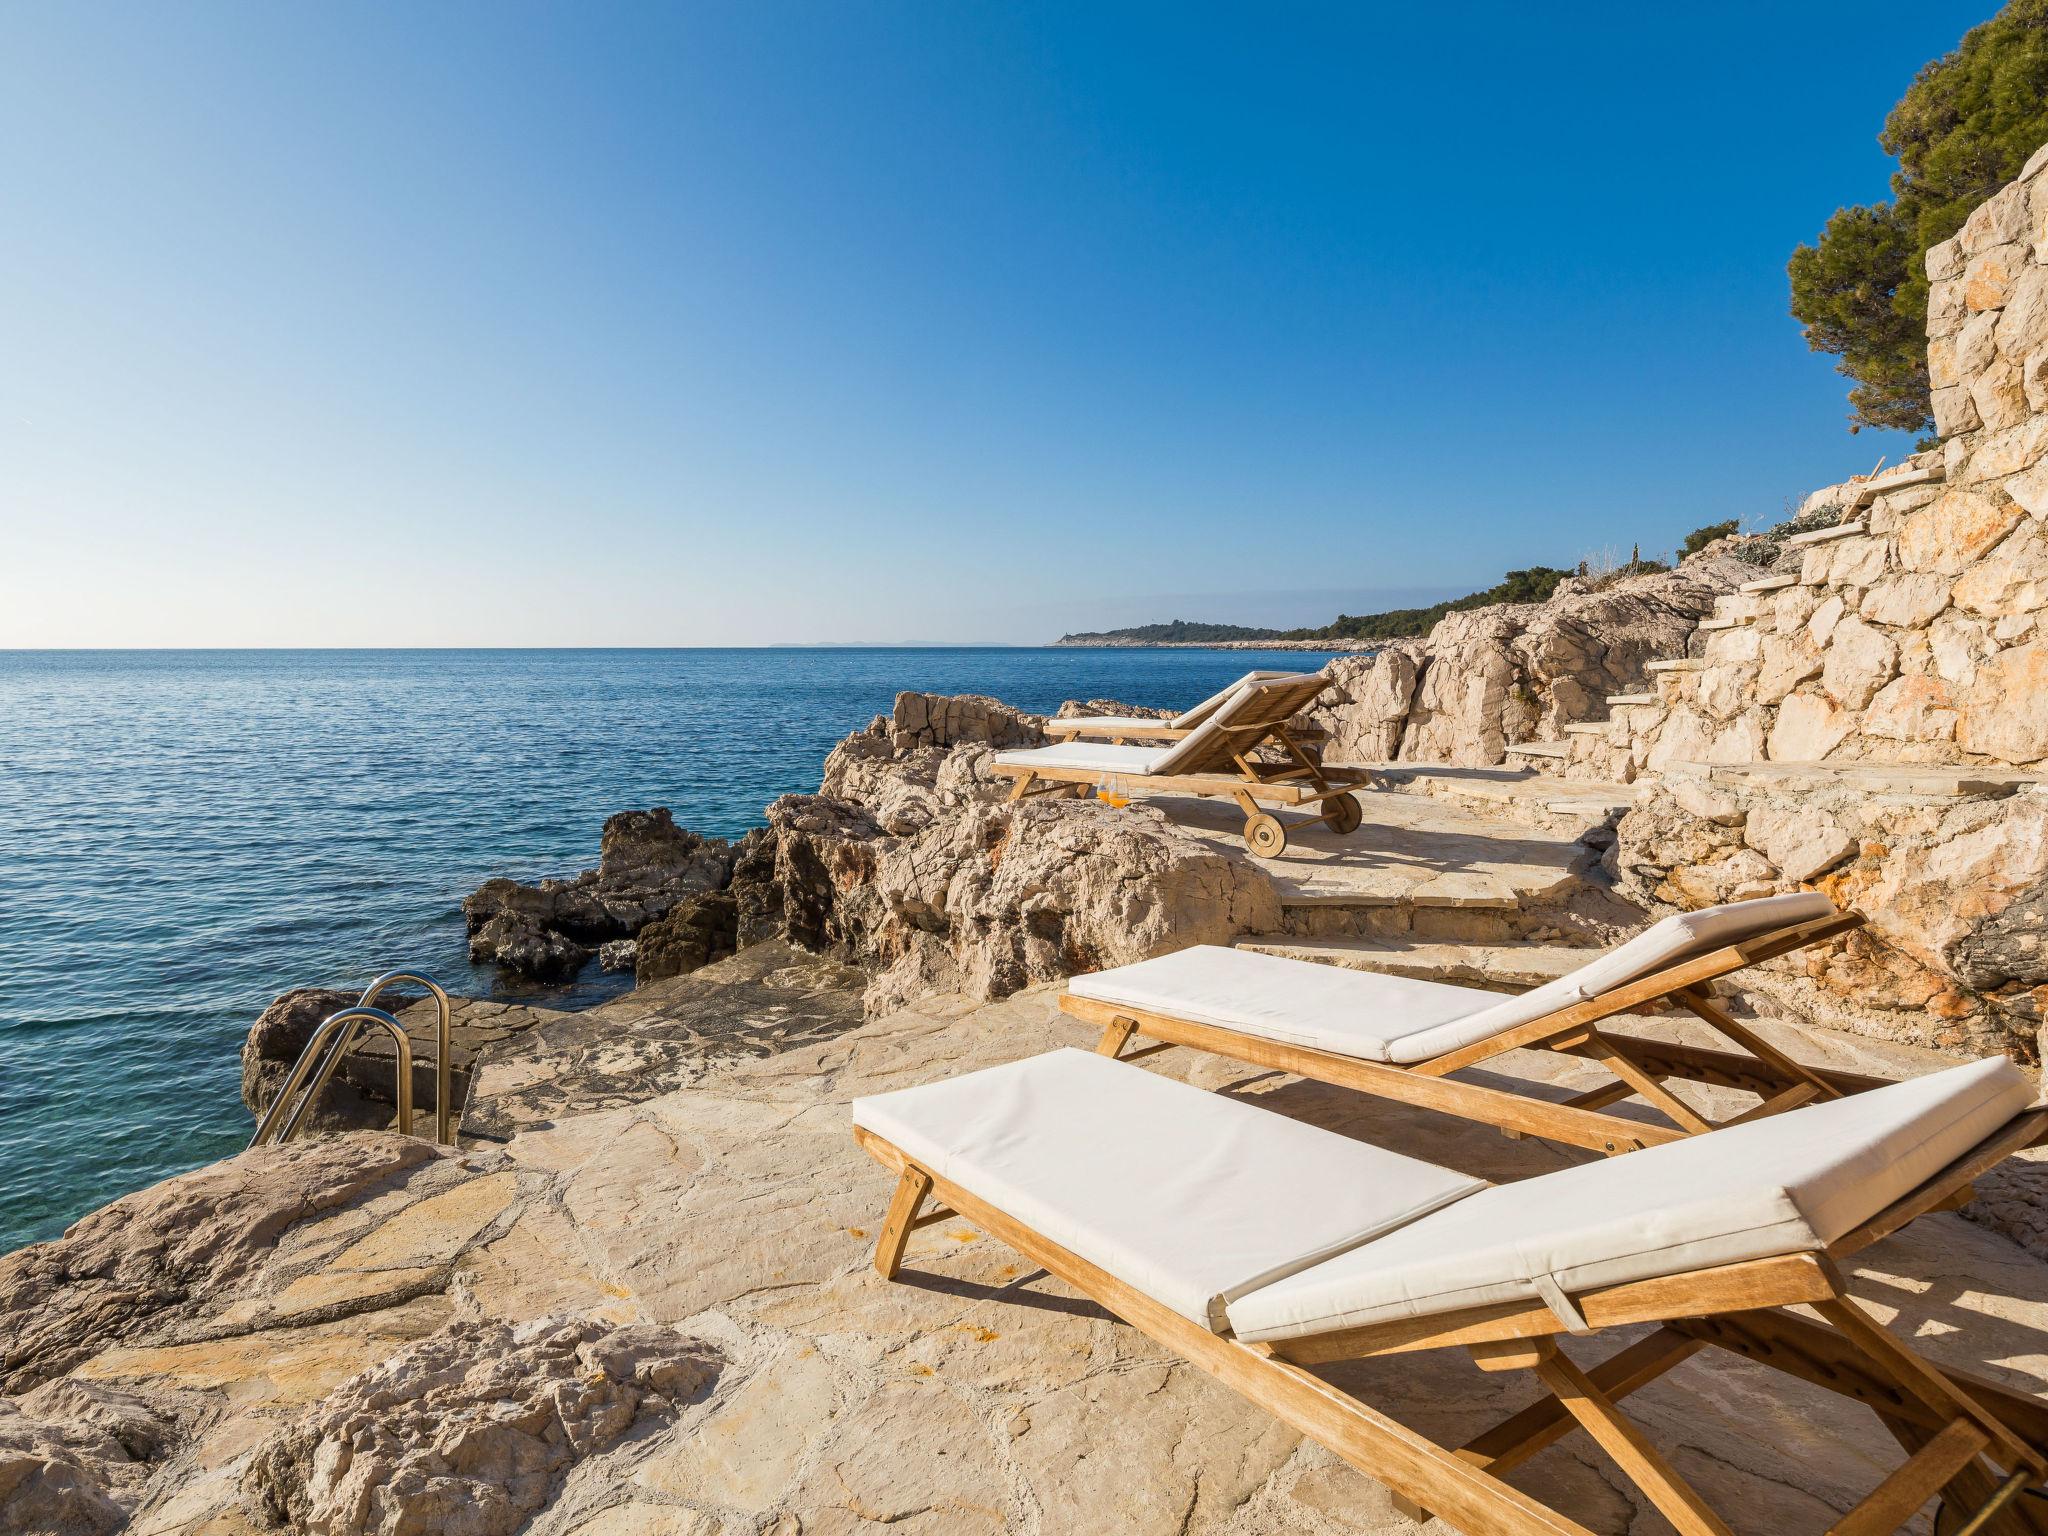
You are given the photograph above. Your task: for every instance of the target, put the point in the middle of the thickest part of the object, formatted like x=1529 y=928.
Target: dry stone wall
x=1871 y=716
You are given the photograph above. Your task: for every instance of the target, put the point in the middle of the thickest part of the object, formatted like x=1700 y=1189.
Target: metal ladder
x=283 y=1120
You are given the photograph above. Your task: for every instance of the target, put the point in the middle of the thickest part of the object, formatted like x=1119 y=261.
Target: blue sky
x=755 y=323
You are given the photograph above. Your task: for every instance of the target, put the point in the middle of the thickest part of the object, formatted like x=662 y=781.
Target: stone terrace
x=978 y=1396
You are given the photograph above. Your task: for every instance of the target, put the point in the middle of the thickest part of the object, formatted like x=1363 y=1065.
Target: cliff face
x=1872 y=717
x=1486 y=679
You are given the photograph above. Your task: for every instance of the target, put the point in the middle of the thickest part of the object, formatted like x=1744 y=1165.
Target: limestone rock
x=1363 y=711
x=75 y=1456
x=1860 y=660
x=1951 y=533
x=170 y=1248
x=1801 y=842
x=1487 y=678
x=692 y=935
x=1809 y=726
x=943 y=720
x=275 y=1042
x=1908 y=601
x=646 y=865
x=2005 y=713
x=470 y=1432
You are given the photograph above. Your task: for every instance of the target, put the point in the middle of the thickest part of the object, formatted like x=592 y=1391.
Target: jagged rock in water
x=169 y=1249
x=469 y=1432
x=692 y=935
x=618 y=955
x=646 y=864
x=278 y=1038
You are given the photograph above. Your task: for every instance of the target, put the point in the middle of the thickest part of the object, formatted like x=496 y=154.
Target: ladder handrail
x=329 y=1028
x=443 y=1127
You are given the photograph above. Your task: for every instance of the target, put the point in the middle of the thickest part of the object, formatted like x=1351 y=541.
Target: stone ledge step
x=1587 y=728
x=1675 y=664
x=1769 y=584
x=1728 y=621
x=1925 y=780
x=1627 y=699
x=1823 y=535
x=1897 y=480
x=1552 y=749
x=1507 y=966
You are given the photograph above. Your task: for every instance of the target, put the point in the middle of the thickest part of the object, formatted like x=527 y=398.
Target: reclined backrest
x=1188 y=719
x=1208 y=749
x=1675 y=939
x=1789 y=1183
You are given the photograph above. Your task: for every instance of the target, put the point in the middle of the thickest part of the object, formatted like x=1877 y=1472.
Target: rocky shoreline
x=635 y=1299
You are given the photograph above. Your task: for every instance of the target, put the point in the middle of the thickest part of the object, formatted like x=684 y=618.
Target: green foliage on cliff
x=1700 y=538
x=1964 y=129
x=1531 y=586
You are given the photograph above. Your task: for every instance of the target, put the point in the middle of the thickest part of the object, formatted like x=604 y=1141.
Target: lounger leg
x=1022 y=786
x=1644 y=1464
x=910 y=1194
x=1115 y=1037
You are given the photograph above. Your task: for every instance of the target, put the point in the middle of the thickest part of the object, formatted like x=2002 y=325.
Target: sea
x=186 y=834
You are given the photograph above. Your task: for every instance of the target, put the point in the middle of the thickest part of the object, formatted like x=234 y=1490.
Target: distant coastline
x=1114 y=643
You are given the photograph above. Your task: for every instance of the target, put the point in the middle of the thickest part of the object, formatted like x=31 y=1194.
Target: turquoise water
x=185 y=834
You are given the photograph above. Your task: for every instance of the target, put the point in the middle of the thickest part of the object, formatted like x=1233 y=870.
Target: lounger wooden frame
x=1972 y=1441
x=1299 y=780
x=1640 y=1067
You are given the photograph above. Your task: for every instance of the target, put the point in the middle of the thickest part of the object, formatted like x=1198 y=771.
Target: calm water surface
x=183 y=835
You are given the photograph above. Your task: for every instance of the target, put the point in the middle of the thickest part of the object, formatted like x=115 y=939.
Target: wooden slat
x=1471 y=1101
x=1618 y=1061
x=1973 y=1486
x=1381 y=1447
x=1906 y=1491
x=1715 y=1016
x=1783 y=1281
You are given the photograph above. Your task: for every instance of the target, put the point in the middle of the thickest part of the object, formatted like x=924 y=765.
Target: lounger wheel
x=1344 y=814
x=1264 y=835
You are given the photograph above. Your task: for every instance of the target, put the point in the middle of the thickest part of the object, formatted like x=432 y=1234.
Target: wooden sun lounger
x=1975 y=1444
x=1638 y=1067
x=1220 y=758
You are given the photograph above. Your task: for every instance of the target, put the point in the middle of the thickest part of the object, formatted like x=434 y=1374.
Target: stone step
x=1546 y=749
x=1898 y=480
x=1628 y=699
x=1675 y=664
x=1770 y=584
x=1920 y=780
x=1824 y=535
x=1727 y=621
x=1509 y=967
x=1587 y=728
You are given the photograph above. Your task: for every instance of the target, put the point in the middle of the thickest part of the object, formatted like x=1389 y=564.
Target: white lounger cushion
x=1088 y=756
x=1191 y=1197
x=1790 y=1183
x=1389 y=1018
